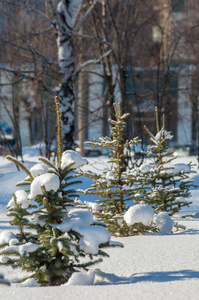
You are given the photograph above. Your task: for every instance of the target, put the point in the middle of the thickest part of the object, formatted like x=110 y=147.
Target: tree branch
x=92 y=61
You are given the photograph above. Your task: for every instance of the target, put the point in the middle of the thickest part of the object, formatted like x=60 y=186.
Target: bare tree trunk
x=67 y=11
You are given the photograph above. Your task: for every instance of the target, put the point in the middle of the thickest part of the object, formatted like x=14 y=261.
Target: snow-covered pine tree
x=53 y=234
x=112 y=186
x=164 y=185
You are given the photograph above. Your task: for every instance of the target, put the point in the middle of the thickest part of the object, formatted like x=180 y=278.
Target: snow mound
x=82 y=278
x=70 y=156
x=163 y=222
x=49 y=181
x=139 y=213
x=38 y=169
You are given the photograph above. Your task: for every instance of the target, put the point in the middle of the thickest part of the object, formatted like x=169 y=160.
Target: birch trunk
x=67 y=11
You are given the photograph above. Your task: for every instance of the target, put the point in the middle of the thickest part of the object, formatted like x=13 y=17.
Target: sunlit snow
x=49 y=181
x=70 y=156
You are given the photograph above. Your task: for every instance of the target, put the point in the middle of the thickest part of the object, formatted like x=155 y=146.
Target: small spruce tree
x=112 y=186
x=163 y=184
x=53 y=234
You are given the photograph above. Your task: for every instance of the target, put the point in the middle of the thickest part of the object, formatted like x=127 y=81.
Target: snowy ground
x=148 y=267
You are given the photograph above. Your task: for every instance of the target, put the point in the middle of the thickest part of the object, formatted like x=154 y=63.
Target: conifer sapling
x=113 y=185
x=53 y=234
x=163 y=184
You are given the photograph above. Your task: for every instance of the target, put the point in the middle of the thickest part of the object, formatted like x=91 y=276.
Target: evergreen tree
x=163 y=184
x=112 y=186
x=53 y=234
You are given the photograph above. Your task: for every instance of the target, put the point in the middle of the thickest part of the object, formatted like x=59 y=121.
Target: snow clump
x=6 y=236
x=21 y=198
x=49 y=181
x=79 y=220
x=93 y=205
x=163 y=222
x=92 y=237
x=38 y=169
x=75 y=217
x=163 y=134
x=22 y=249
x=139 y=213
x=69 y=157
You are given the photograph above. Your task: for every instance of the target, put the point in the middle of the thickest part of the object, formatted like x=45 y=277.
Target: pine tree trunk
x=67 y=11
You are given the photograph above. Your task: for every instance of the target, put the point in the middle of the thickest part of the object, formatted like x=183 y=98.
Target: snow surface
x=152 y=267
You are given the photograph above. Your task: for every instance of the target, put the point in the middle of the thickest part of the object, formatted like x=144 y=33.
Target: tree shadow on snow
x=189 y=231
x=111 y=279
x=4 y=225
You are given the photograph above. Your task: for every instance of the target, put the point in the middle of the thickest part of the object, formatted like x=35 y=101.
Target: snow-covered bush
x=55 y=239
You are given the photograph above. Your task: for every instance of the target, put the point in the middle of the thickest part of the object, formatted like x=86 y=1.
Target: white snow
x=139 y=213
x=22 y=249
x=163 y=134
x=76 y=217
x=93 y=205
x=180 y=168
x=92 y=237
x=38 y=169
x=30 y=282
x=152 y=267
x=36 y=220
x=49 y=181
x=70 y=156
x=6 y=236
x=82 y=278
x=163 y=222
x=21 y=198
